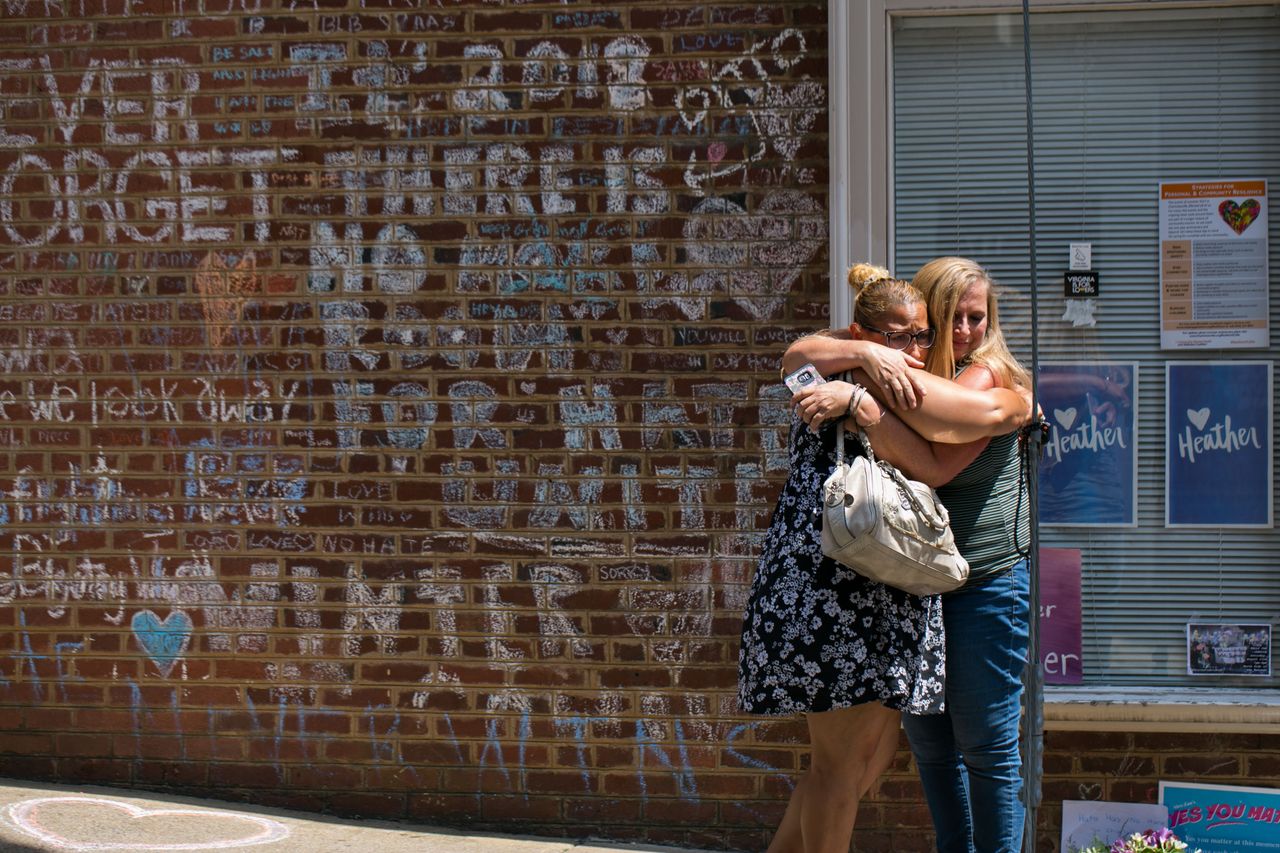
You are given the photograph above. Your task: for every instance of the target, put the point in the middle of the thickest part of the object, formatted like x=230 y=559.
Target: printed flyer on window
x=1214 y=649
x=1213 y=265
x=1089 y=466
x=1218 y=457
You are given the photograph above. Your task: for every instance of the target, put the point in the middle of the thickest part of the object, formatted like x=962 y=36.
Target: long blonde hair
x=943 y=281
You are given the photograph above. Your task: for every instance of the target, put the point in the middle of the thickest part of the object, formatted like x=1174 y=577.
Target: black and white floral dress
x=817 y=636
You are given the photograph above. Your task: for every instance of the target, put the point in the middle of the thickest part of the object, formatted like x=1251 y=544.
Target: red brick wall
x=388 y=404
x=388 y=398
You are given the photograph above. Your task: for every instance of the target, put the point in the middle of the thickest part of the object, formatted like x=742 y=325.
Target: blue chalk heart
x=164 y=642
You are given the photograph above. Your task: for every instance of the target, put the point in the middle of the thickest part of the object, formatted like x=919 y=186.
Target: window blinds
x=1123 y=101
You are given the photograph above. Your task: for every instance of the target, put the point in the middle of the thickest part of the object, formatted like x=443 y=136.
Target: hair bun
x=862 y=274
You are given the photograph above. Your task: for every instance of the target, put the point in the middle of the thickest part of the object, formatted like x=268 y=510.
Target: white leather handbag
x=887 y=527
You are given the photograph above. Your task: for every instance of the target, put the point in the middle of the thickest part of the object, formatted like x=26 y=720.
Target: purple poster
x=1218 y=457
x=1060 y=657
x=1088 y=469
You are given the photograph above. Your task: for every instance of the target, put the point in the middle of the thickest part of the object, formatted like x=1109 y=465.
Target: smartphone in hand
x=803 y=378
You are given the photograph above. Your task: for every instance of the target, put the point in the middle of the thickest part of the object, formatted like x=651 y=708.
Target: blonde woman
x=820 y=640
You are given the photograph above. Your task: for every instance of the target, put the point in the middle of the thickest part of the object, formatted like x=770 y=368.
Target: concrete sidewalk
x=47 y=817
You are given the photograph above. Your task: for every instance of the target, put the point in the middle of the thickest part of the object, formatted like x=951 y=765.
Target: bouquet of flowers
x=1151 y=841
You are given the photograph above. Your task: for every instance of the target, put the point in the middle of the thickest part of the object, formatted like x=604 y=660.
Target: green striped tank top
x=987 y=502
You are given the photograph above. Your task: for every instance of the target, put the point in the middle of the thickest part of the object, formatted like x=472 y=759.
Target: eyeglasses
x=901 y=340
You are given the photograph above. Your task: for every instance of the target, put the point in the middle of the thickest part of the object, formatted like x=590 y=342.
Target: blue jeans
x=968 y=756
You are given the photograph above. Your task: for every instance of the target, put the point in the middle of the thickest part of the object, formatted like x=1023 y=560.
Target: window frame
x=860 y=87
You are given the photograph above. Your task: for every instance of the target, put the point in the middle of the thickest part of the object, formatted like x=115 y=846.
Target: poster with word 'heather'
x=1089 y=465
x=1218 y=453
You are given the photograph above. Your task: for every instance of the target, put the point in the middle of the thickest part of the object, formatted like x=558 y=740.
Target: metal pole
x=1033 y=679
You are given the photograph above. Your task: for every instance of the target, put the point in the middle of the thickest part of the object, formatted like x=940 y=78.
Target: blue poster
x=1223 y=818
x=1087 y=472
x=1218 y=428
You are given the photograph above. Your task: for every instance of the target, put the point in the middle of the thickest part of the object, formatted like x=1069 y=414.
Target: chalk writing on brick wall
x=388 y=393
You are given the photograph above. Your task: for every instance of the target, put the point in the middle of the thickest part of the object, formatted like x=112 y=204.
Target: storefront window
x=1157 y=151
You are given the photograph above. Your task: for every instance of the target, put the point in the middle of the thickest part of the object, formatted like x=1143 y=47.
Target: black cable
x=1034 y=700
x=1041 y=425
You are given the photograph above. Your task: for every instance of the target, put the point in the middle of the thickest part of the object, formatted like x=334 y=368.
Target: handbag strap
x=904 y=485
x=858 y=391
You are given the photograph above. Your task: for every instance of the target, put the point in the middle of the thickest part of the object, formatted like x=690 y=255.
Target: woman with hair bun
x=817 y=638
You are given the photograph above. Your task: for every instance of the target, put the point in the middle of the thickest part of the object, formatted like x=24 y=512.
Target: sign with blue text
x=1218 y=455
x=1223 y=818
x=1089 y=466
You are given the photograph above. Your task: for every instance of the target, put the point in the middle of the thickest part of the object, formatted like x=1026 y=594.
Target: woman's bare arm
x=890 y=437
x=962 y=411
x=934 y=464
x=834 y=351
x=954 y=412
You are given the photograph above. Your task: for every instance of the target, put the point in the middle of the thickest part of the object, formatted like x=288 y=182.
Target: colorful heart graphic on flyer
x=1239 y=216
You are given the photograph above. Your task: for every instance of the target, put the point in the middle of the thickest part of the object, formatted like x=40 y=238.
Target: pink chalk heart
x=63 y=822
x=716 y=151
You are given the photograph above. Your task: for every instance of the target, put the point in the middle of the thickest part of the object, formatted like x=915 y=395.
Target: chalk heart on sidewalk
x=94 y=823
x=1199 y=417
x=165 y=640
